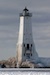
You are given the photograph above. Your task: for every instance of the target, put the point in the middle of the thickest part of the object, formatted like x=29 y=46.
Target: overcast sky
x=9 y=26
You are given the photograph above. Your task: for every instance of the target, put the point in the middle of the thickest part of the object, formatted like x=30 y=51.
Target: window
x=31 y=54
x=24 y=54
x=31 y=45
x=28 y=56
x=27 y=46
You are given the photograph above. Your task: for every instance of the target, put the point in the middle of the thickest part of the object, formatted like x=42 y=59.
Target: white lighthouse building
x=25 y=45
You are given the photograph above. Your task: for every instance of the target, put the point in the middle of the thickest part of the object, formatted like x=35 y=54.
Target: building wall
x=20 y=41
x=25 y=38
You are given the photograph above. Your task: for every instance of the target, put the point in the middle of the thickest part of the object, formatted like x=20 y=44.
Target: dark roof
x=25 y=12
x=25 y=9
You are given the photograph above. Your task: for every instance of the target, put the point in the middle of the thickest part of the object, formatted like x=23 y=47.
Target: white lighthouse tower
x=25 y=45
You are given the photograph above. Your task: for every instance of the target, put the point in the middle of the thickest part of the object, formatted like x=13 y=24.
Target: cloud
x=41 y=17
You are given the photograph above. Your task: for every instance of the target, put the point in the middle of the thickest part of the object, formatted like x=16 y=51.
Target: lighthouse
x=25 y=45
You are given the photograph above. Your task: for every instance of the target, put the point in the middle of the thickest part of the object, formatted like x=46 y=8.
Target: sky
x=9 y=26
